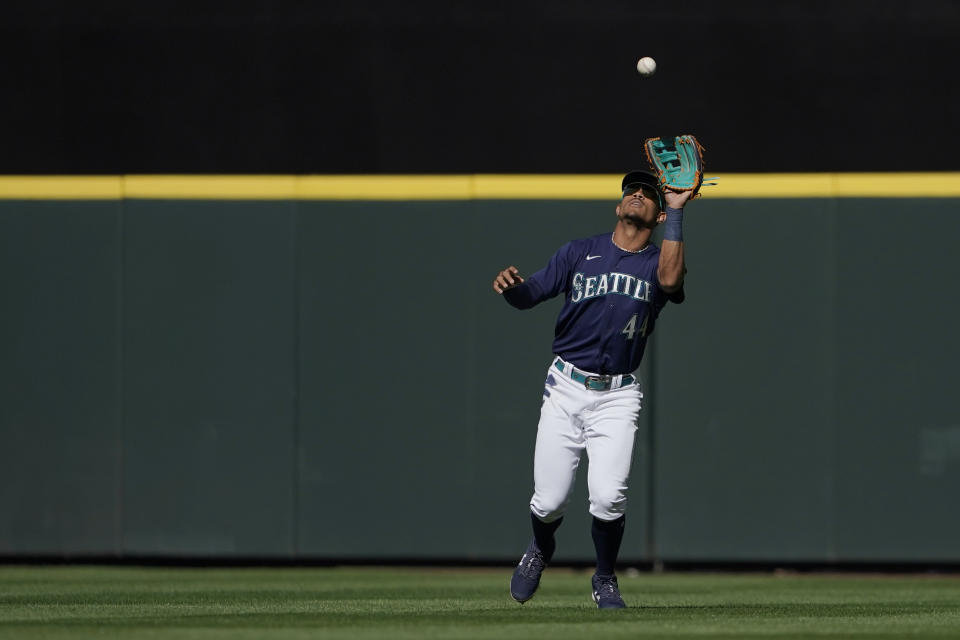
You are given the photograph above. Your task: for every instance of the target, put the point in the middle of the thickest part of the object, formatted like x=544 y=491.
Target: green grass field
x=96 y=602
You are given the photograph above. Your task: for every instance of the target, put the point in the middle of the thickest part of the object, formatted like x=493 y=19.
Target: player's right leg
x=556 y=458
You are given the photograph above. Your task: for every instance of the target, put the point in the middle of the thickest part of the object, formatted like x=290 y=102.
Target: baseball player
x=614 y=287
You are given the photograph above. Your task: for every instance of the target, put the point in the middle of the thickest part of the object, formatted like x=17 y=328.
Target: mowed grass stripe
x=88 y=602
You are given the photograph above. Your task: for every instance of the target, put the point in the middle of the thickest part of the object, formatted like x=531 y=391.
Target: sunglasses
x=648 y=192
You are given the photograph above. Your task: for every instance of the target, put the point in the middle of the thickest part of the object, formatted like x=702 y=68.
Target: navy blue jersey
x=612 y=298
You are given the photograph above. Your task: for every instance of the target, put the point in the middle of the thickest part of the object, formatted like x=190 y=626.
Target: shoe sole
x=597 y=601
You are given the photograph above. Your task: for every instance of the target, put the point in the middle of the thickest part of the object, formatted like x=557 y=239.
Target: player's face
x=640 y=205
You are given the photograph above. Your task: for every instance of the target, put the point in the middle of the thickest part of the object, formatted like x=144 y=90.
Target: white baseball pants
x=574 y=419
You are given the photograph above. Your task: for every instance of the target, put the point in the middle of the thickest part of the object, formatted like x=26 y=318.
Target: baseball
x=646 y=66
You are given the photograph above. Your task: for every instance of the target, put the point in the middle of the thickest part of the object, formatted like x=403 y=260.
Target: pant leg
x=610 y=427
x=559 y=447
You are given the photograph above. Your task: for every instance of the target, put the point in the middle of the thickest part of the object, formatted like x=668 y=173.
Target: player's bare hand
x=509 y=277
x=676 y=199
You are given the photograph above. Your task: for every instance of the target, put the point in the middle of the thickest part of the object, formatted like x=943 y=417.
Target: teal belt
x=592 y=382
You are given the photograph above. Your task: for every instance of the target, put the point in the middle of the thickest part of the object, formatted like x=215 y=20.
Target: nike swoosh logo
x=592 y=257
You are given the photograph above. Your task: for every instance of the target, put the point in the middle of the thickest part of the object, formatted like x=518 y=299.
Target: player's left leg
x=610 y=430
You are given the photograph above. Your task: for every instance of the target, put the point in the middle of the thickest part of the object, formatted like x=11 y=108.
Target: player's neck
x=630 y=237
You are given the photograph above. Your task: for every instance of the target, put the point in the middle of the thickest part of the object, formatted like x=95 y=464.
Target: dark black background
x=290 y=86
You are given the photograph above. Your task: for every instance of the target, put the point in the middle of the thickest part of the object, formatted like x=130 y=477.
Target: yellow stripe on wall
x=251 y=187
x=548 y=187
x=61 y=187
x=463 y=187
x=386 y=187
x=836 y=185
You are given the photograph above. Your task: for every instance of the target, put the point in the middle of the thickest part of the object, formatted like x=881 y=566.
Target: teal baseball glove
x=677 y=162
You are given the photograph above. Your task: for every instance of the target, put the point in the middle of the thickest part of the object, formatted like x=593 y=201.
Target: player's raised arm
x=671 y=267
x=509 y=277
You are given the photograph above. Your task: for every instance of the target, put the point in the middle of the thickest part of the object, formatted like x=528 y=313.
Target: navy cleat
x=606 y=593
x=526 y=577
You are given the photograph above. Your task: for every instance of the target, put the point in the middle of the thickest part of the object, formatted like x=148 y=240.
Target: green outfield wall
x=300 y=378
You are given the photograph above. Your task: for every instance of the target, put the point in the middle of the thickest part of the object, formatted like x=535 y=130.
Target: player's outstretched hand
x=676 y=199
x=509 y=277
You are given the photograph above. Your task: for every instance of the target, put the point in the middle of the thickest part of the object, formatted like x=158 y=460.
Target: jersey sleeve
x=545 y=283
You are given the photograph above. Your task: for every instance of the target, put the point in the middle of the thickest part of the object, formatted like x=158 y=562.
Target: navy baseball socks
x=607 y=537
x=543 y=535
x=526 y=577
